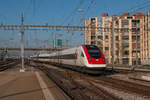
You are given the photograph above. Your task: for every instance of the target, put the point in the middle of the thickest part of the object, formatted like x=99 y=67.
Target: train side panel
x=85 y=56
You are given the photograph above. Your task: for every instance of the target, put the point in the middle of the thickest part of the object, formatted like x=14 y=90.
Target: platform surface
x=29 y=85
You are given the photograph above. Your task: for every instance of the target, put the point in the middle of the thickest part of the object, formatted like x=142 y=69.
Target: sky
x=59 y=12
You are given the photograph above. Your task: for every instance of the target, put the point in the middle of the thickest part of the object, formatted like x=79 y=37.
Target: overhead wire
x=136 y=7
x=141 y=8
x=92 y=3
x=73 y=12
x=69 y=18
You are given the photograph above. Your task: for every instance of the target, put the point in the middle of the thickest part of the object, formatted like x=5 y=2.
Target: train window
x=93 y=51
x=82 y=54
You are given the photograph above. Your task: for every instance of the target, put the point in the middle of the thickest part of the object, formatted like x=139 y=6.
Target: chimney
x=126 y=14
x=138 y=15
x=104 y=14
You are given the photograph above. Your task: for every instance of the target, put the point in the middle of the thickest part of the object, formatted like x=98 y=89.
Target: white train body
x=85 y=56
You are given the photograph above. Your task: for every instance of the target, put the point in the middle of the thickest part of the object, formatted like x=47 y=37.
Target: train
x=85 y=58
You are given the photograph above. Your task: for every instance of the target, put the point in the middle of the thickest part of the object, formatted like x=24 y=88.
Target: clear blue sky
x=61 y=12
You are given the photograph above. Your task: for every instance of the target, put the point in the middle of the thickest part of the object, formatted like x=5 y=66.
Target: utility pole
x=22 y=43
x=136 y=46
x=112 y=53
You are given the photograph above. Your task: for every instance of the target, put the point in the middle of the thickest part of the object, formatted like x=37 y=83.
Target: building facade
x=91 y=35
x=145 y=39
x=124 y=44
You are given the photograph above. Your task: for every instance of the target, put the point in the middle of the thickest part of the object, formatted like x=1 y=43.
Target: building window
x=125 y=23
x=125 y=30
x=134 y=53
x=117 y=22
x=93 y=20
x=125 y=60
x=135 y=29
x=135 y=23
x=99 y=37
x=129 y=17
x=93 y=37
x=106 y=48
x=126 y=52
x=125 y=45
x=134 y=45
x=134 y=38
x=106 y=36
x=93 y=43
x=117 y=38
x=116 y=30
x=117 y=53
x=117 y=45
x=98 y=43
x=93 y=32
x=125 y=37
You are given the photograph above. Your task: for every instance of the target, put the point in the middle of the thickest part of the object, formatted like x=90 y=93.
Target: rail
x=71 y=86
x=7 y=64
x=123 y=85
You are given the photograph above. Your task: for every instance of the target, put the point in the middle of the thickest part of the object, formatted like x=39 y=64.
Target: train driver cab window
x=93 y=51
x=82 y=55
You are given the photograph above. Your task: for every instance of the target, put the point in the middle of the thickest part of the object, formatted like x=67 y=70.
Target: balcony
x=93 y=37
x=134 y=45
x=125 y=23
x=93 y=42
x=135 y=23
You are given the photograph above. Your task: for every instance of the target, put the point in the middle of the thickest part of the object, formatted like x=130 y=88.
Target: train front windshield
x=93 y=51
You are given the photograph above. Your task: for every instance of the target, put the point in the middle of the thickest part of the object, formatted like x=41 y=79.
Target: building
x=91 y=35
x=126 y=37
x=145 y=39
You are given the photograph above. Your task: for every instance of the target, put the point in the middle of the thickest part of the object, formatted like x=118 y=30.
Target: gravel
x=122 y=94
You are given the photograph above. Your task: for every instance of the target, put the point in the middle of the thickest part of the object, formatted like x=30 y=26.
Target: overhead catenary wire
x=69 y=19
x=136 y=8
x=73 y=12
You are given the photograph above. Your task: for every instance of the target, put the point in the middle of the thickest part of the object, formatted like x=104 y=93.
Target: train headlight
x=90 y=59
x=103 y=59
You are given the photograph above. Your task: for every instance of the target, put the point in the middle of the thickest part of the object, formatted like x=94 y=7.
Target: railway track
x=8 y=64
x=129 y=70
x=4 y=62
x=77 y=90
x=122 y=85
x=87 y=83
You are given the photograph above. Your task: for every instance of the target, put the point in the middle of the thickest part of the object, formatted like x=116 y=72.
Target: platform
x=29 y=85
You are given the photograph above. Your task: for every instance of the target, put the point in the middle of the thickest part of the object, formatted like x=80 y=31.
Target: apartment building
x=126 y=37
x=91 y=35
x=145 y=39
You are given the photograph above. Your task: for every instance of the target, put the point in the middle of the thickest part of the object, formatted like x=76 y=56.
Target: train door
x=76 y=57
x=81 y=58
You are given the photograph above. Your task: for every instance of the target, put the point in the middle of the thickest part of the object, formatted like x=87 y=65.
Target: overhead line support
x=22 y=43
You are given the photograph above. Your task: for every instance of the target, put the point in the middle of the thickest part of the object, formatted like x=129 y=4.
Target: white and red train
x=85 y=57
